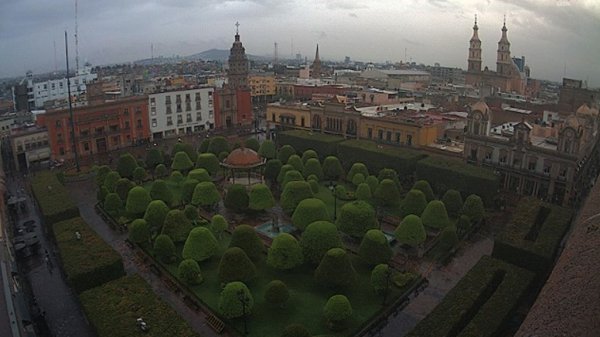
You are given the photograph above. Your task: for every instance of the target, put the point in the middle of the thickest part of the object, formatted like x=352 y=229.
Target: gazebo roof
x=243 y=157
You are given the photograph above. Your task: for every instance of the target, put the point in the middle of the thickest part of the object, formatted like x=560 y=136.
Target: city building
x=30 y=146
x=446 y=74
x=181 y=112
x=316 y=66
x=413 y=80
x=6 y=123
x=262 y=87
x=573 y=94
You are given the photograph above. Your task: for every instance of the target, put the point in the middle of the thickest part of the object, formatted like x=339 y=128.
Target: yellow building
x=283 y=116
x=399 y=131
x=262 y=86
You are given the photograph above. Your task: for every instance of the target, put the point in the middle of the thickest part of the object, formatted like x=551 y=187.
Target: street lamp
x=332 y=189
x=388 y=274
x=244 y=300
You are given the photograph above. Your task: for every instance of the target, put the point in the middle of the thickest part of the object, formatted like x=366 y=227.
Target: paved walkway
x=85 y=197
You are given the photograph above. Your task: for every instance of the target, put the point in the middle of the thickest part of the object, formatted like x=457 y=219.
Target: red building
x=232 y=107
x=99 y=128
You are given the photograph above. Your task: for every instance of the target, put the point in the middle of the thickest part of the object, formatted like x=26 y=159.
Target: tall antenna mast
x=71 y=121
x=275 y=54
x=55 y=64
x=152 y=51
x=292 y=49
x=76 y=44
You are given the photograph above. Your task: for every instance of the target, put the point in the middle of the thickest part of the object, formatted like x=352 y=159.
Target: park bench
x=215 y=323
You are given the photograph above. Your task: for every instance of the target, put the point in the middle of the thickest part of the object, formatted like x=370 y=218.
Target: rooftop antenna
x=152 y=51
x=292 y=49
x=71 y=121
x=275 y=55
x=76 y=44
x=55 y=64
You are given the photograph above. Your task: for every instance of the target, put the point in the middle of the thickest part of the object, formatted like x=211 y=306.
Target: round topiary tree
x=453 y=202
x=139 y=174
x=252 y=143
x=235 y=266
x=375 y=248
x=199 y=174
x=177 y=226
x=314 y=186
x=231 y=304
x=424 y=187
x=191 y=213
x=260 y=198
x=317 y=239
x=155 y=214
x=137 y=201
x=126 y=165
x=283 y=171
x=182 y=162
x=139 y=231
x=101 y=194
x=153 y=158
x=358 y=179
x=245 y=237
x=187 y=190
x=113 y=204
x=110 y=181
x=473 y=208
x=373 y=183
x=200 y=245
x=363 y=192
x=209 y=162
x=463 y=225
x=272 y=169
x=101 y=173
x=411 y=231
x=164 y=249
x=414 y=203
x=309 y=154
x=335 y=269
x=292 y=175
x=267 y=150
x=447 y=240
x=204 y=145
x=381 y=278
x=308 y=211
x=205 y=195
x=285 y=152
x=160 y=191
x=185 y=147
x=356 y=218
x=435 y=215
x=218 y=145
x=293 y=193
x=296 y=162
x=222 y=156
x=313 y=167
x=340 y=192
x=332 y=169
x=218 y=225
x=176 y=177
x=236 y=198
x=277 y=293
x=387 y=193
x=388 y=173
x=295 y=330
x=357 y=168
x=337 y=311
x=285 y=252
x=160 y=171
x=189 y=272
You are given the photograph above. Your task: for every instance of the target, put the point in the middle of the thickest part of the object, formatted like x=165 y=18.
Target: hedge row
x=88 y=262
x=532 y=237
x=53 y=198
x=325 y=145
x=113 y=308
x=445 y=173
x=480 y=304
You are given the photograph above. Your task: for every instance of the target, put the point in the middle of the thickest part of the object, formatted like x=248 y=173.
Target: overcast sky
x=554 y=35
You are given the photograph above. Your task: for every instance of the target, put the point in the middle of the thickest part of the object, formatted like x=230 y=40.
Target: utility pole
x=71 y=119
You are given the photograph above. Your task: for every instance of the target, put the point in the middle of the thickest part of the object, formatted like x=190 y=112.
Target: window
x=227 y=104
x=169 y=111
x=273 y=117
x=198 y=105
x=84 y=133
x=179 y=107
x=116 y=140
x=126 y=112
x=153 y=111
x=168 y=100
x=188 y=106
x=178 y=99
x=86 y=146
x=126 y=125
x=188 y=118
x=398 y=137
x=179 y=120
x=370 y=133
x=154 y=122
x=409 y=140
x=388 y=136
x=152 y=101
x=380 y=134
x=188 y=98
x=198 y=117
x=169 y=120
x=58 y=124
x=547 y=169
x=138 y=110
x=210 y=93
x=139 y=124
x=61 y=151
x=197 y=98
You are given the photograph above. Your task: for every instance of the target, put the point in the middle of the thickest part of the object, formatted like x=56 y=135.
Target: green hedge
x=480 y=304
x=88 y=262
x=445 y=173
x=53 y=198
x=113 y=308
x=376 y=158
x=324 y=145
x=532 y=237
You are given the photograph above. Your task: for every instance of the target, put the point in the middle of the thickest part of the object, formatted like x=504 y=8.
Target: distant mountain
x=221 y=55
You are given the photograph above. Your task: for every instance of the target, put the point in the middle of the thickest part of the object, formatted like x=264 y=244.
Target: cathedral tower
x=474 y=59
x=316 y=66
x=237 y=76
x=503 y=61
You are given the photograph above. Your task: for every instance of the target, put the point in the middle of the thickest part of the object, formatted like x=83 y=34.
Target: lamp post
x=388 y=274
x=243 y=299
x=332 y=189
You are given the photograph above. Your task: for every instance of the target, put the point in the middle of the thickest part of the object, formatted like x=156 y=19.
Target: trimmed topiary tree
x=160 y=171
x=153 y=158
x=177 y=226
x=424 y=187
x=414 y=203
x=218 y=145
x=314 y=186
x=218 y=225
x=139 y=231
x=182 y=162
x=356 y=218
x=292 y=175
x=126 y=165
x=230 y=304
x=199 y=174
x=447 y=240
x=337 y=311
x=185 y=147
x=435 y=215
x=205 y=195
x=296 y=162
x=358 y=179
x=453 y=202
x=381 y=278
x=293 y=193
x=176 y=177
x=236 y=198
x=246 y=238
x=283 y=171
x=332 y=169
x=373 y=183
x=308 y=211
x=313 y=167
x=309 y=154
x=388 y=173
x=411 y=231
x=285 y=152
x=164 y=248
x=235 y=266
x=272 y=169
x=160 y=191
x=209 y=162
x=335 y=269
x=473 y=208
x=285 y=252
x=155 y=214
x=101 y=173
x=357 y=168
x=252 y=143
x=375 y=248
x=204 y=145
x=101 y=194
x=295 y=330
x=113 y=204
x=277 y=293
x=363 y=192
x=189 y=272
x=137 y=201
x=200 y=245
x=267 y=149
x=317 y=239
x=463 y=225
x=139 y=174
x=340 y=192
x=187 y=190
x=387 y=193
x=110 y=181
x=191 y=213
x=260 y=198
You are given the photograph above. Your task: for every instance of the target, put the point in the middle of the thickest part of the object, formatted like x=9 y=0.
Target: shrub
x=53 y=198
x=113 y=204
x=160 y=191
x=388 y=173
x=453 y=202
x=341 y=193
x=313 y=167
x=356 y=218
x=358 y=179
x=200 y=245
x=139 y=174
x=303 y=140
x=177 y=177
x=335 y=269
x=293 y=193
x=272 y=169
x=414 y=203
x=126 y=165
x=363 y=192
x=252 y=143
x=260 y=198
x=205 y=194
x=204 y=145
x=373 y=183
x=296 y=162
x=155 y=214
x=187 y=190
x=245 y=237
x=229 y=301
x=314 y=186
x=137 y=201
x=381 y=278
x=295 y=330
x=218 y=225
x=283 y=171
x=177 y=226
x=189 y=272
x=337 y=310
x=309 y=154
x=387 y=193
x=218 y=145
x=375 y=248
x=285 y=252
x=139 y=231
x=355 y=169
x=277 y=293
x=236 y=198
x=411 y=231
x=185 y=147
x=101 y=173
x=235 y=266
x=153 y=158
x=317 y=239
x=473 y=208
x=285 y=152
x=463 y=225
x=199 y=174
x=160 y=171
x=267 y=150
x=164 y=248
x=435 y=216
x=292 y=175
x=332 y=169
x=423 y=186
x=222 y=156
x=191 y=213
x=110 y=181
x=101 y=194
x=447 y=240
x=182 y=162
x=209 y=162
x=308 y=211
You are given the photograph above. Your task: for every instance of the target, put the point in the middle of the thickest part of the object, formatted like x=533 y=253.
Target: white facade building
x=181 y=112
x=40 y=92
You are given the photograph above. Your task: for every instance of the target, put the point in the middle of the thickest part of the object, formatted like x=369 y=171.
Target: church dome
x=243 y=157
x=573 y=122
x=482 y=107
